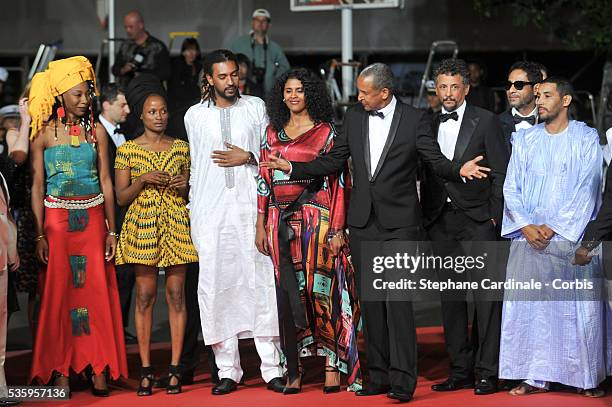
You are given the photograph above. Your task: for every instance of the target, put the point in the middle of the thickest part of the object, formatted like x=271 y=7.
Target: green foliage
x=582 y=24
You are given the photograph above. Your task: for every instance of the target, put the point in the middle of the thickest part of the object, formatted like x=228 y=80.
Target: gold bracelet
x=39 y=238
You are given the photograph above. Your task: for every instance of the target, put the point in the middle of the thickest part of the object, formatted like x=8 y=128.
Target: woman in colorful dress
x=316 y=294
x=151 y=175
x=79 y=323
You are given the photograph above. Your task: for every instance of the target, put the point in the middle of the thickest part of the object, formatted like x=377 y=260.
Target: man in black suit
x=598 y=230
x=115 y=111
x=523 y=114
x=456 y=211
x=384 y=138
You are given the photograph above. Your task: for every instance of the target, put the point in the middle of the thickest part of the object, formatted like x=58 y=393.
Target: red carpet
x=432 y=368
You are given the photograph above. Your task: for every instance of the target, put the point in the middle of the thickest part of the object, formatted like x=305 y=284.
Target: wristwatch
x=251 y=160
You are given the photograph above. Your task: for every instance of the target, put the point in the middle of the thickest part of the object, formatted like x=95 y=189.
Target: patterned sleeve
x=263 y=179
x=122 y=159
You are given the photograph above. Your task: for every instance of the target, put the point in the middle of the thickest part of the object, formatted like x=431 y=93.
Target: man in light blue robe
x=551 y=191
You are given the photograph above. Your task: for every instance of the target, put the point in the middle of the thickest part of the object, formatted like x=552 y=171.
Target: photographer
x=268 y=61
x=140 y=53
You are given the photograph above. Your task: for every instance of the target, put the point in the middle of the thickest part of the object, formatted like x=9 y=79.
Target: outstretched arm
x=327 y=164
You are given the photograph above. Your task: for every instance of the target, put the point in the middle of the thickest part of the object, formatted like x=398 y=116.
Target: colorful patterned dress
x=326 y=283
x=79 y=323
x=155 y=230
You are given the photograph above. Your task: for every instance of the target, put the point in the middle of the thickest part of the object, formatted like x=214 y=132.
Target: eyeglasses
x=518 y=85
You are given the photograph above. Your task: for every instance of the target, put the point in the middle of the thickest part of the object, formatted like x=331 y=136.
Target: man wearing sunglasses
x=522 y=77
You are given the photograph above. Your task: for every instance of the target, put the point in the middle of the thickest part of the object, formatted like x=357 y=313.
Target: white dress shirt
x=524 y=124
x=449 y=131
x=378 y=131
x=118 y=138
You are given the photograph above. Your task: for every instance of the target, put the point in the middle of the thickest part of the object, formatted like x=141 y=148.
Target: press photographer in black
x=141 y=53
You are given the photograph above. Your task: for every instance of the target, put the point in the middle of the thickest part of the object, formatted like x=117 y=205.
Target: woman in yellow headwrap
x=79 y=325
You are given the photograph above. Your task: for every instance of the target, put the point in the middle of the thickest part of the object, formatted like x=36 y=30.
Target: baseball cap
x=9 y=111
x=3 y=74
x=262 y=12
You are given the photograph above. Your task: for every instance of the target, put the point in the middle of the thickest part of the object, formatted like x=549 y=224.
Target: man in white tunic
x=551 y=192
x=236 y=290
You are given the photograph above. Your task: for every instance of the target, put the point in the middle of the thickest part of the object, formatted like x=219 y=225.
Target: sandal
x=525 y=389
x=592 y=393
x=174 y=371
x=146 y=373
x=294 y=390
x=331 y=389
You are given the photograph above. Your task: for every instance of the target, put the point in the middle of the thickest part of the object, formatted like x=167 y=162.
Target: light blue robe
x=553 y=180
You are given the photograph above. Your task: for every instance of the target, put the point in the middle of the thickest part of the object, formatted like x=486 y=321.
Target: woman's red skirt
x=79 y=323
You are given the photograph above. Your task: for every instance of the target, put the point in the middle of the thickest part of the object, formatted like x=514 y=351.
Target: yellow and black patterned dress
x=156 y=227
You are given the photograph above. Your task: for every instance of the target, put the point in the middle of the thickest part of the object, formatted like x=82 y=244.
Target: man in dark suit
x=115 y=111
x=523 y=114
x=384 y=138
x=456 y=211
x=598 y=230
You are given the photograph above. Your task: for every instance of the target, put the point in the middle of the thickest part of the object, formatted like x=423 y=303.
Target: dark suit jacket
x=480 y=133
x=601 y=226
x=391 y=192
x=120 y=211
x=508 y=127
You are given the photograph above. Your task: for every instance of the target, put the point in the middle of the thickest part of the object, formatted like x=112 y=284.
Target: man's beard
x=227 y=97
x=523 y=103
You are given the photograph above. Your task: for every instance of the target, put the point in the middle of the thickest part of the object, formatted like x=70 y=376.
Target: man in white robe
x=551 y=192
x=236 y=290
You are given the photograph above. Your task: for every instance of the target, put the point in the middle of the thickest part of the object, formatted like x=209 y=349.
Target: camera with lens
x=259 y=75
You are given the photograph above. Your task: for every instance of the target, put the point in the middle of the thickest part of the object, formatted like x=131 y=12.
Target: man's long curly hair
x=318 y=102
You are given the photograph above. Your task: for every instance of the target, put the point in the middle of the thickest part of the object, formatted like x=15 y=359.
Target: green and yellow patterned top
x=71 y=171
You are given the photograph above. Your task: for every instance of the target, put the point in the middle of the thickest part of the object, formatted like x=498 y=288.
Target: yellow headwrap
x=61 y=76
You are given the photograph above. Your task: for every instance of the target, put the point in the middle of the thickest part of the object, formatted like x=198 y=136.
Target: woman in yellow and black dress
x=151 y=174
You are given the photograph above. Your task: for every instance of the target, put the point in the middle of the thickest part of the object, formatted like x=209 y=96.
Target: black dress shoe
x=372 y=390
x=453 y=385
x=225 y=386
x=277 y=385
x=399 y=395
x=486 y=386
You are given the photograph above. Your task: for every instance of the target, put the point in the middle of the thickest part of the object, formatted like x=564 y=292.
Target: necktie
x=529 y=119
x=376 y=113
x=444 y=117
x=117 y=130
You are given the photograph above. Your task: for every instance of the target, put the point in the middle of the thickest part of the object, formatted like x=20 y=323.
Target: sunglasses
x=518 y=85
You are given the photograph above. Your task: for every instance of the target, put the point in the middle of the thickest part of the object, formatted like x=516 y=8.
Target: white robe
x=552 y=180
x=236 y=290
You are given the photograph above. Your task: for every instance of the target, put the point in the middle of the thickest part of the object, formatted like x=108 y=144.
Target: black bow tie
x=444 y=117
x=376 y=113
x=117 y=130
x=529 y=119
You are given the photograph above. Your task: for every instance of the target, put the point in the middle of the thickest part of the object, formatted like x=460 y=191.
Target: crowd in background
x=227 y=167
